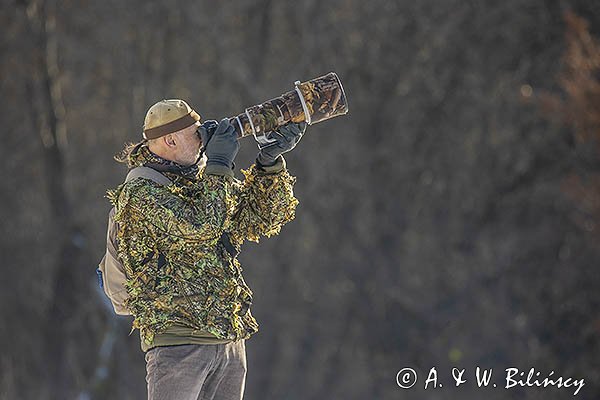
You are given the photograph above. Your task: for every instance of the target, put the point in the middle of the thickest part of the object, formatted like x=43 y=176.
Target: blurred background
x=451 y=219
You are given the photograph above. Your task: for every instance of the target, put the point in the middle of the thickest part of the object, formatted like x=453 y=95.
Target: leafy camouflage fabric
x=170 y=243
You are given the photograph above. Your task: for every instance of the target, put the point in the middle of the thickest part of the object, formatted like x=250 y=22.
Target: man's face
x=188 y=145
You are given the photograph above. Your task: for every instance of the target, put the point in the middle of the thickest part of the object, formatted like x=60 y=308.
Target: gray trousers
x=197 y=372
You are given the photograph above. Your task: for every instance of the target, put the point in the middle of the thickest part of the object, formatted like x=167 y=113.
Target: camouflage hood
x=140 y=155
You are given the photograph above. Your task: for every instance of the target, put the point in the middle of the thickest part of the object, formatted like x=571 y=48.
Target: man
x=178 y=244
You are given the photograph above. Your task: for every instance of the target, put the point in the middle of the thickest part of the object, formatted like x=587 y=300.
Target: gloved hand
x=286 y=138
x=222 y=146
x=206 y=130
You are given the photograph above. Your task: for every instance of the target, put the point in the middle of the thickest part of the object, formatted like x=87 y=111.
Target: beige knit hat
x=168 y=116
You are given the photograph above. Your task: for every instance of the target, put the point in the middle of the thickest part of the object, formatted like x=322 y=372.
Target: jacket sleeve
x=265 y=202
x=193 y=213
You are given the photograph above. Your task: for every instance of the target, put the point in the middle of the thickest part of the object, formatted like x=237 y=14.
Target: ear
x=169 y=140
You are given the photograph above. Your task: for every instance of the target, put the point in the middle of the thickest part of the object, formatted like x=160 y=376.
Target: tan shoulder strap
x=148 y=173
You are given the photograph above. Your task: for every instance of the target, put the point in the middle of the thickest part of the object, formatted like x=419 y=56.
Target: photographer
x=178 y=244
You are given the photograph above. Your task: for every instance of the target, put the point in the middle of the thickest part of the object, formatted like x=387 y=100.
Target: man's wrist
x=277 y=166
x=218 y=168
x=265 y=161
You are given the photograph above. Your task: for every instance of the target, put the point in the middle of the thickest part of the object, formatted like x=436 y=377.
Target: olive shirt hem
x=178 y=335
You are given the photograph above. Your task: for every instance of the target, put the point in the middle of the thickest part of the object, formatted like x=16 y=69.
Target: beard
x=190 y=156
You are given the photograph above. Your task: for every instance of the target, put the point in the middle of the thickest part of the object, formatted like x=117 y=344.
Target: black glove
x=285 y=139
x=222 y=145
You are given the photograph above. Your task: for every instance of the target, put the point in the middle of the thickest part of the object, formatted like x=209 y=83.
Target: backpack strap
x=148 y=173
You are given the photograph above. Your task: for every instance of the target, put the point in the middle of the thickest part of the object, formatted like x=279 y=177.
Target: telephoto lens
x=312 y=101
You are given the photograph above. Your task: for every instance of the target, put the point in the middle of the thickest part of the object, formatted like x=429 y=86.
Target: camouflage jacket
x=170 y=243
